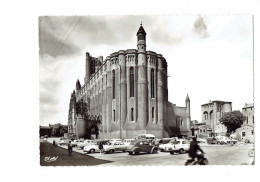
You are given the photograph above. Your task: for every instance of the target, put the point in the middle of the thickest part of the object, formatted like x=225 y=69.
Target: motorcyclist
x=194 y=147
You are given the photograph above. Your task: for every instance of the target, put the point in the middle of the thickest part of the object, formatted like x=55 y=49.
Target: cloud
x=161 y=35
x=200 y=27
x=68 y=35
x=62 y=36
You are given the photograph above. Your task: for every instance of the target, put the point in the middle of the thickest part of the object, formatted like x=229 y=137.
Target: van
x=148 y=137
x=222 y=140
x=128 y=141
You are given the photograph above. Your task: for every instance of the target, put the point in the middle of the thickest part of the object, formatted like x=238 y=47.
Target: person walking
x=69 y=147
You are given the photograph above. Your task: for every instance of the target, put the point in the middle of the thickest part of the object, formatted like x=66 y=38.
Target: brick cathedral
x=128 y=91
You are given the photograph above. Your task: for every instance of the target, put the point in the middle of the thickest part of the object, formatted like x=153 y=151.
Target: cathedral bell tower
x=187 y=101
x=141 y=40
x=142 y=79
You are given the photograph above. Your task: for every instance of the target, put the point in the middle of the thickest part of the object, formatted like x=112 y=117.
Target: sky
x=210 y=57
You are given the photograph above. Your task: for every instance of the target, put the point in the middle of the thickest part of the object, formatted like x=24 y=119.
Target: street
x=217 y=155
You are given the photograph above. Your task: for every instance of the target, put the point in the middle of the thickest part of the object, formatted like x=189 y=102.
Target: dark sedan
x=138 y=146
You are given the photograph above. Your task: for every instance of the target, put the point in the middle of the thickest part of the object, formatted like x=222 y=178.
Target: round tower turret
x=142 y=79
x=141 y=40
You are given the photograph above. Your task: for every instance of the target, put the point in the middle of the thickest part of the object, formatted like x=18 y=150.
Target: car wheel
x=251 y=153
x=181 y=151
x=155 y=151
x=136 y=153
x=111 y=151
x=172 y=152
x=130 y=153
x=92 y=151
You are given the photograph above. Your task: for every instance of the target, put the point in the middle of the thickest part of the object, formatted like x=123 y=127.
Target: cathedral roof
x=141 y=30
x=78 y=85
x=248 y=105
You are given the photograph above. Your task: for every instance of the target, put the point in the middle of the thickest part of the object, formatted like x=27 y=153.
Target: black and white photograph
x=146 y=90
x=129 y=90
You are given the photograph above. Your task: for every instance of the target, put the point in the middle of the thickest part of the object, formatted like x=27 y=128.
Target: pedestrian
x=100 y=147
x=69 y=147
x=53 y=142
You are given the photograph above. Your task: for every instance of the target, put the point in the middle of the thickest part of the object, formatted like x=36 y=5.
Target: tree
x=92 y=123
x=232 y=120
x=81 y=108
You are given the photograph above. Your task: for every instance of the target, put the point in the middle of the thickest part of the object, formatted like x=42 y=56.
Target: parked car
x=148 y=137
x=128 y=141
x=85 y=143
x=115 y=140
x=94 y=147
x=233 y=141
x=165 y=140
x=102 y=141
x=63 y=142
x=74 y=143
x=114 y=147
x=165 y=147
x=139 y=146
x=225 y=140
x=180 y=146
x=211 y=140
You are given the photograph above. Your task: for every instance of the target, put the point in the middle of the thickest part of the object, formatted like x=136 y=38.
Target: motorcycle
x=201 y=160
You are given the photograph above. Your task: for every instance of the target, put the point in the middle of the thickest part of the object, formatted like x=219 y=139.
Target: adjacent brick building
x=246 y=131
x=211 y=113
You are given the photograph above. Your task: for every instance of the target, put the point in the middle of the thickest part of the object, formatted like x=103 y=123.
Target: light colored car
x=114 y=147
x=165 y=147
x=63 y=142
x=180 y=146
x=75 y=143
x=148 y=137
x=225 y=140
x=128 y=141
x=85 y=143
x=115 y=140
x=92 y=148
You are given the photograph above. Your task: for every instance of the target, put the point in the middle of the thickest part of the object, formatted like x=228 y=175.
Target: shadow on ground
x=49 y=152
